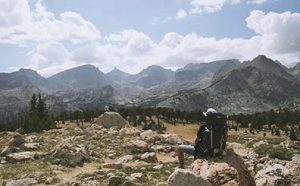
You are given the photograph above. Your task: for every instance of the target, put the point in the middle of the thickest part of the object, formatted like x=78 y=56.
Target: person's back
x=211 y=135
x=212 y=140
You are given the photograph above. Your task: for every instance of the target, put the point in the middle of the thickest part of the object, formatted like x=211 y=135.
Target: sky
x=50 y=36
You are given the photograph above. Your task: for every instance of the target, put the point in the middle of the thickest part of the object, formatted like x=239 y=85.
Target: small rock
x=130 y=131
x=114 y=181
x=135 y=176
x=31 y=146
x=31 y=138
x=16 y=141
x=158 y=167
x=49 y=180
x=149 y=157
x=113 y=165
x=172 y=139
x=125 y=158
x=112 y=155
x=149 y=136
x=137 y=144
x=26 y=155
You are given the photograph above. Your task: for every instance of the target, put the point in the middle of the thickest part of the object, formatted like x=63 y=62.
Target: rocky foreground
x=93 y=155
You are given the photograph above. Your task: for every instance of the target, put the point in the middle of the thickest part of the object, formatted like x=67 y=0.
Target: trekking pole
x=211 y=141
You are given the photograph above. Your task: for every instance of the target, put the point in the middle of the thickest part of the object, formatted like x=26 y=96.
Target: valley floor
x=91 y=155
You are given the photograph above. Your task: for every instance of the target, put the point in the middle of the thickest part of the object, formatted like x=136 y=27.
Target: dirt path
x=70 y=175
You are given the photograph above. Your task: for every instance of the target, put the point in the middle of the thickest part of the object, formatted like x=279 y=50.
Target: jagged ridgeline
x=228 y=85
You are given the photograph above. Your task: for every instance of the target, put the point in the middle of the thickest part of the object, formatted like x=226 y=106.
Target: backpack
x=212 y=136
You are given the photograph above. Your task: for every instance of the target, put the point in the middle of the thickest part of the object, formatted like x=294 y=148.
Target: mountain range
x=227 y=85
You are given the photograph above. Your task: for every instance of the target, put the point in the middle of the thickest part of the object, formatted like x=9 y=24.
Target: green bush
x=274 y=152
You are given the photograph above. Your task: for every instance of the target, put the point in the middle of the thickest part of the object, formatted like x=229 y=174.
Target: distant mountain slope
x=295 y=71
x=227 y=85
x=258 y=85
x=117 y=75
x=152 y=76
x=22 y=78
x=77 y=78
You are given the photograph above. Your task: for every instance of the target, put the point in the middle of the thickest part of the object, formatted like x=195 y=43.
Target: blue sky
x=52 y=35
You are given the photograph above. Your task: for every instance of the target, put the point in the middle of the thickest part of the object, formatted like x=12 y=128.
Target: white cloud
x=181 y=14
x=276 y=36
x=258 y=2
x=280 y=32
x=21 y=25
x=209 y=6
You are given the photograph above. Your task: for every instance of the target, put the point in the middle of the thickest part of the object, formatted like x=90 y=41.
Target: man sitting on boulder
x=211 y=137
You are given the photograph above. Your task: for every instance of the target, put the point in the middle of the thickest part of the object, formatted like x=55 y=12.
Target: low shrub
x=274 y=152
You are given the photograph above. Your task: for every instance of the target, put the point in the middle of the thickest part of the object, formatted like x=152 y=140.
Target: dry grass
x=188 y=132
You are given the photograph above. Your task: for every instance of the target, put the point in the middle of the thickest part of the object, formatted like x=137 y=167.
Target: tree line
x=38 y=118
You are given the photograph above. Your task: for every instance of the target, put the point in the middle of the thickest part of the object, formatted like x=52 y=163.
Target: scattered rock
x=182 y=177
x=16 y=141
x=70 y=155
x=149 y=136
x=149 y=157
x=163 y=148
x=111 y=119
x=135 y=176
x=31 y=139
x=26 y=155
x=114 y=181
x=31 y=146
x=172 y=139
x=130 y=131
x=137 y=145
x=291 y=144
x=158 y=167
x=22 y=182
x=49 y=180
x=125 y=158
x=272 y=175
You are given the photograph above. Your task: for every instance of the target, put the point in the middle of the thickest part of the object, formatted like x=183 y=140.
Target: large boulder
x=217 y=173
x=111 y=119
x=182 y=177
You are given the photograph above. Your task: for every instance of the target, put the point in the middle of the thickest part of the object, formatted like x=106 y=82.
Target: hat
x=210 y=111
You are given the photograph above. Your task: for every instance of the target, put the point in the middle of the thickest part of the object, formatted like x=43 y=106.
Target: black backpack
x=212 y=136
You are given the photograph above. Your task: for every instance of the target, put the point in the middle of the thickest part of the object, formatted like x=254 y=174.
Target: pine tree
x=37 y=118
